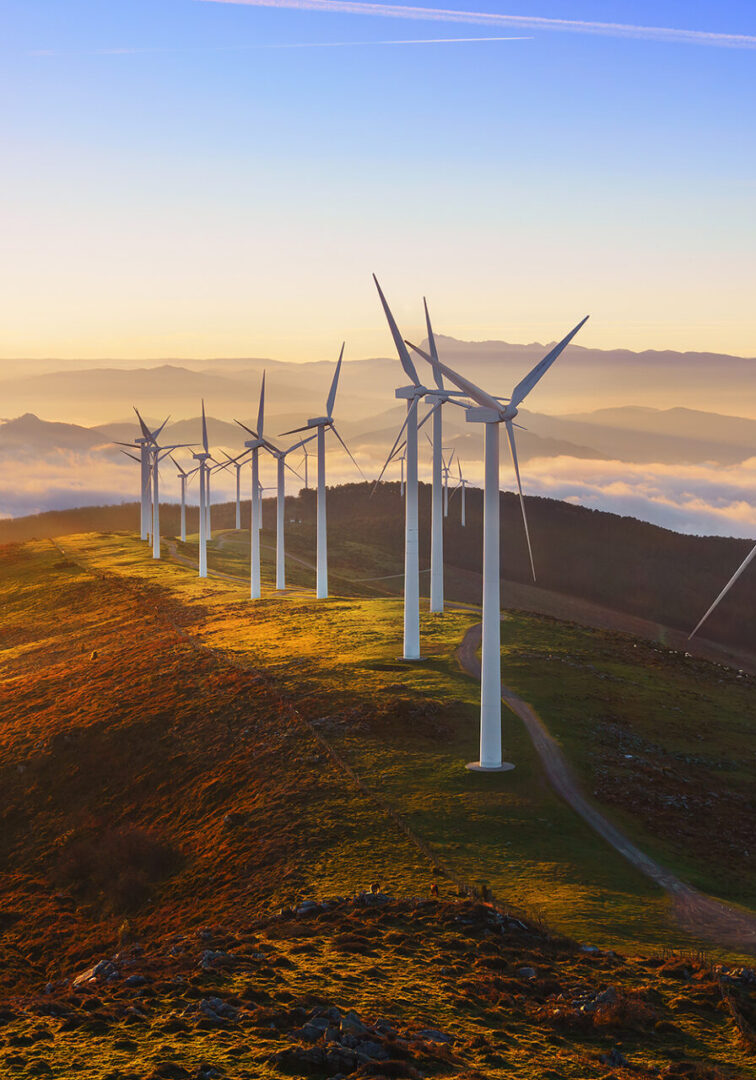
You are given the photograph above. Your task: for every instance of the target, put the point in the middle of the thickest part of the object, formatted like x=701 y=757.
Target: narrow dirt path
x=703 y=916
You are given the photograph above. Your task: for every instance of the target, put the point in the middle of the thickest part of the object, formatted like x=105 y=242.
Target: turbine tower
x=412 y=395
x=749 y=558
x=461 y=486
x=439 y=500
x=282 y=465
x=490 y=411
x=253 y=445
x=203 y=469
x=183 y=477
x=322 y=423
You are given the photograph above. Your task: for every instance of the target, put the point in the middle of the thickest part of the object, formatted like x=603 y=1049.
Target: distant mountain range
x=583 y=380
x=631 y=434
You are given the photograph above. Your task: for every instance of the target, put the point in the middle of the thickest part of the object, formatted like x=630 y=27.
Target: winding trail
x=703 y=916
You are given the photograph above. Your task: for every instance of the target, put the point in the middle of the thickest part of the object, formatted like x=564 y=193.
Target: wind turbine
x=253 y=446
x=203 y=469
x=748 y=559
x=321 y=423
x=412 y=395
x=491 y=412
x=144 y=444
x=461 y=486
x=446 y=464
x=282 y=465
x=237 y=463
x=183 y=477
x=157 y=454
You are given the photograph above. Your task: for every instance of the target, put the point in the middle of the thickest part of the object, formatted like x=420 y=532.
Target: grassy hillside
x=167 y=760
x=622 y=564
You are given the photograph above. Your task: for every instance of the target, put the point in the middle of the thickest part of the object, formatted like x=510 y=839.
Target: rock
x=307 y=907
x=368 y=1050
x=526 y=972
x=135 y=980
x=215 y=958
x=103 y=970
x=431 y=1035
x=614 y=1057
x=217 y=1008
x=607 y=997
x=352 y=1025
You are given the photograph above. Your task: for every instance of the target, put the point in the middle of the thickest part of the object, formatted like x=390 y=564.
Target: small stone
x=526 y=972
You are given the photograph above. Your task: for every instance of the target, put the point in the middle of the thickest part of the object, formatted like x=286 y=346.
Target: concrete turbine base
x=475 y=766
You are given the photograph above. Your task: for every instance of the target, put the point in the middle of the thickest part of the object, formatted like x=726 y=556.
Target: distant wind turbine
x=412 y=394
x=748 y=559
x=203 y=469
x=322 y=423
x=254 y=445
x=440 y=395
x=183 y=477
x=491 y=412
x=282 y=465
x=461 y=486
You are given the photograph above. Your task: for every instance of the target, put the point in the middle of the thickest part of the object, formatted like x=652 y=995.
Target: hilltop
x=591 y=565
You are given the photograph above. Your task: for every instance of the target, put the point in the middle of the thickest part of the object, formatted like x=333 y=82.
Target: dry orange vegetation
x=162 y=805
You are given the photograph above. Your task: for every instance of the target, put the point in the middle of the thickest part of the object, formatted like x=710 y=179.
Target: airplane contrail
x=285 y=45
x=521 y=22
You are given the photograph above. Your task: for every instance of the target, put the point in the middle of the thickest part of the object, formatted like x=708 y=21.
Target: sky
x=203 y=178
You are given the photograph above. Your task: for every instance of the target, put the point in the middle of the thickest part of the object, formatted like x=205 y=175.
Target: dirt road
x=703 y=916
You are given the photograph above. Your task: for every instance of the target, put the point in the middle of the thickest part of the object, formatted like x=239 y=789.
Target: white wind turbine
x=157 y=454
x=183 y=477
x=282 y=465
x=203 y=470
x=461 y=486
x=440 y=395
x=321 y=423
x=748 y=559
x=253 y=446
x=412 y=395
x=491 y=412
x=144 y=445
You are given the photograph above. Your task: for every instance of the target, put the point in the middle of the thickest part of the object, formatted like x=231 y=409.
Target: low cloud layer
x=710 y=500
x=700 y=499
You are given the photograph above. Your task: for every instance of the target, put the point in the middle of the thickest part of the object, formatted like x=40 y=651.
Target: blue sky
x=205 y=192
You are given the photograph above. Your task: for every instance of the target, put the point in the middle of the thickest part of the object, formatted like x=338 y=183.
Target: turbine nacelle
x=408 y=393
x=319 y=421
x=479 y=414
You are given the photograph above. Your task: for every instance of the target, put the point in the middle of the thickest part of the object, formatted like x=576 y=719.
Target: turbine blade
x=249 y=429
x=401 y=348
x=294 y=431
x=334 y=385
x=157 y=432
x=132 y=456
x=359 y=470
x=524 y=387
x=261 y=408
x=426 y=418
x=176 y=464
x=204 y=429
x=395 y=446
x=725 y=590
x=473 y=391
x=143 y=426
x=513 y=448
x=302 y=442
x=433 y=350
